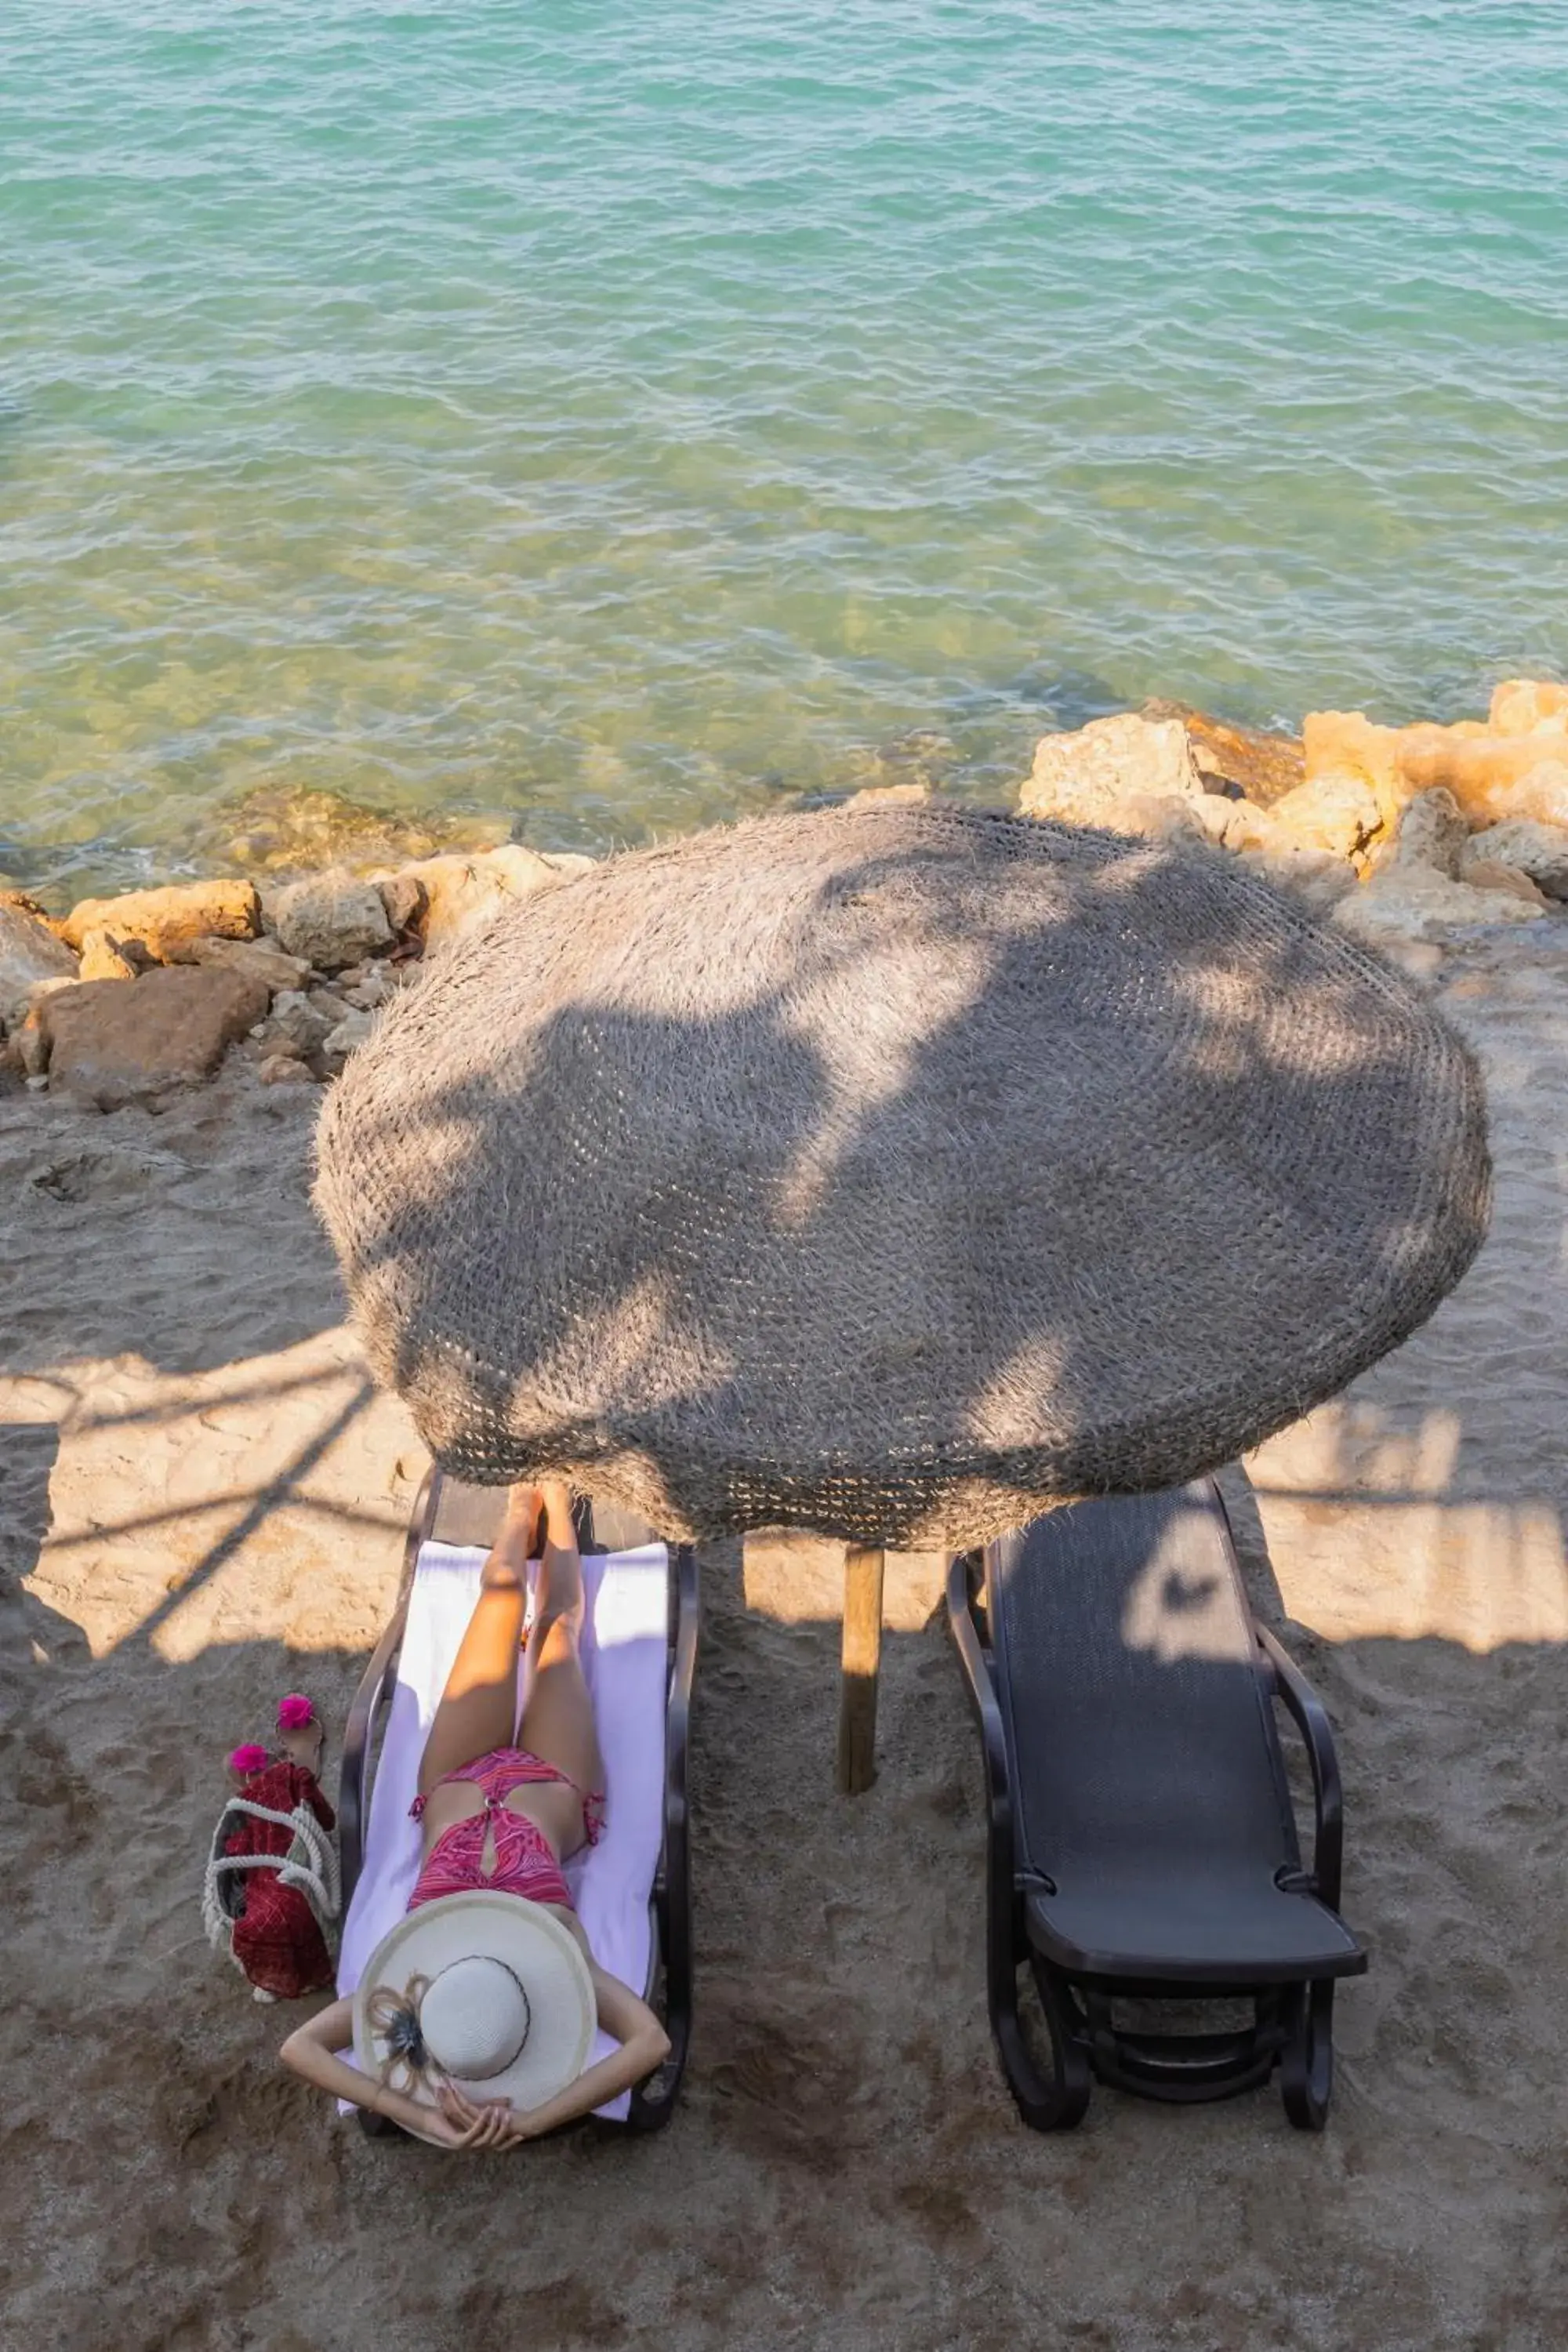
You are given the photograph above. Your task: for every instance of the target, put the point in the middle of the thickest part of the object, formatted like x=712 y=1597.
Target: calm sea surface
x=612 y=418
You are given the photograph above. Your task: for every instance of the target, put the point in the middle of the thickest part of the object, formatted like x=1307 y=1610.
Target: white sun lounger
x=631 y=1889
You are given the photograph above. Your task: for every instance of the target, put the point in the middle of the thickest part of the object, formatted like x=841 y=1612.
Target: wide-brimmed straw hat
x=485 y=1990
x=895 y=1173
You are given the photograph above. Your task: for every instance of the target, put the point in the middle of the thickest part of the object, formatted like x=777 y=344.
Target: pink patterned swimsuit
x=526 y=1862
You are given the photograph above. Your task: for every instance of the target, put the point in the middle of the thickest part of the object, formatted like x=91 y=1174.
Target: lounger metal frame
x=1292 y=2025
x=653 y=2101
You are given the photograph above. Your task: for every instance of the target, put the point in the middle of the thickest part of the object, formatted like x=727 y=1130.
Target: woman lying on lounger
x=475 y=2014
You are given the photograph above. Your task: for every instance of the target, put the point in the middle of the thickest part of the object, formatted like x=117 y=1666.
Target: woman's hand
x=457 y=2121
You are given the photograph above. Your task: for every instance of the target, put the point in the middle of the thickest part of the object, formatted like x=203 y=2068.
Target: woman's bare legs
x=558 y=1714
x=478 y=1707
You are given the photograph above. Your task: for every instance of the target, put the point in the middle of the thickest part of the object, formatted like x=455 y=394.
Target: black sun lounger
x=1144 y=1850
x=447 y=1512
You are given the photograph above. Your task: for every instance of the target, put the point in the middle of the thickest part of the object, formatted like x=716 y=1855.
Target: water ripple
x=606 y=423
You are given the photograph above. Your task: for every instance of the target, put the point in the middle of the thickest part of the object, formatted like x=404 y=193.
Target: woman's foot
x=517 y=1540
x=555 y=1502
x=301 y=1736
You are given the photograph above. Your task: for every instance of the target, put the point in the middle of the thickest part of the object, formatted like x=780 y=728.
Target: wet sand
x=201 y=1506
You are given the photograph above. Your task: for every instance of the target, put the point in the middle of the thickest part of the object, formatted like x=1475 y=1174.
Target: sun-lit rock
x=461 y=892
x=1539 y=797
x=1529 y=706
x=1119 y=773
x=1263 y=766
x=1336 y=812
x=1490 y=775
x=107 y=956
x=1347 y=743
x=169 y=922
x=331 y=919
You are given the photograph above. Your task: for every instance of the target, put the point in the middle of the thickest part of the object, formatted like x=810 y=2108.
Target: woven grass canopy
x=894 y=1173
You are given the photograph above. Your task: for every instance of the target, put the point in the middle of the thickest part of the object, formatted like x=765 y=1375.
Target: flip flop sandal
x=296 y=1713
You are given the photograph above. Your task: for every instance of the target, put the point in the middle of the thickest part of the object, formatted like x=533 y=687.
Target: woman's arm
x=308 y=2052
x=644 y=2042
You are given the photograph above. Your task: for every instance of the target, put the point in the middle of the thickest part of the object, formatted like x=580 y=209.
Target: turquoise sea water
x=610 y=419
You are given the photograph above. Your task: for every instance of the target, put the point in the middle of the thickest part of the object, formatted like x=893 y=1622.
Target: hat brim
x=541 y=1952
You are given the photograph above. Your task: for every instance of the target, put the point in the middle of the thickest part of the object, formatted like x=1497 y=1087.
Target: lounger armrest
x=652 y=2102
x=682 y=1672
x=367 y=1697
x=983 y=1697
x=1307 y=1708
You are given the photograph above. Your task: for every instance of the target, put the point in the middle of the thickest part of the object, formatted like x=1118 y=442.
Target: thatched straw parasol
x=895 y=1173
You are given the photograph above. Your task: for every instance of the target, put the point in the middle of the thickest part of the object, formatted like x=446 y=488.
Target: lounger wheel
x=1306 y=2061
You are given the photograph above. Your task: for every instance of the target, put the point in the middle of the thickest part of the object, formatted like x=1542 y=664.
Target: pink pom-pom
x=295 y=1712
x=249 y=1760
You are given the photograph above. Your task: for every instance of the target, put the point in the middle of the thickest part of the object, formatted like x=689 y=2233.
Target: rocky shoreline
x=1409 y=838
x=126 y=999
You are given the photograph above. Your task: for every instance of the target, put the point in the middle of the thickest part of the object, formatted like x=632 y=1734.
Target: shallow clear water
x=612 y=419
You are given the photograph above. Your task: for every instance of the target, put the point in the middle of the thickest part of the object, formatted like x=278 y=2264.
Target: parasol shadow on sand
x=895 y=1175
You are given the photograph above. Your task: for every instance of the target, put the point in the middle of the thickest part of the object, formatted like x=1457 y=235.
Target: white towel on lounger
x=625 y=1662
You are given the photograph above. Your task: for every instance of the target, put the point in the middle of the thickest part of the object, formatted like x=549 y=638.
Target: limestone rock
x=1487 y=873
x=1116 y=773
x=262 y=960
x=281 y=1069
x=461 y=892
x=352 y=1031
x=170 y=922
x=1238 y=824
x=331 y=919
x=1529 y=706
x=1429 y=835
x=1412 y=903
x=913 y=793
x=25 y=904
x=1315 y=874
x=1347 y=743
x=1264 y=766
x=1339 y=814
x=110 y=1044
x=372 y=985
x=297 y=1025
x=29 y=1041
x=1539 y=796
x=1539 y=850
x=105 y=956
x=29 y=954
x=404 y=899
x=1491 y=776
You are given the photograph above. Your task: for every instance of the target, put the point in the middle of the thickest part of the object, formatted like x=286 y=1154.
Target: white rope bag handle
x=314 y=1873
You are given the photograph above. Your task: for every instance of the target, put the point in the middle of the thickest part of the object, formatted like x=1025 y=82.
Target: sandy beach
x=202 y=1501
